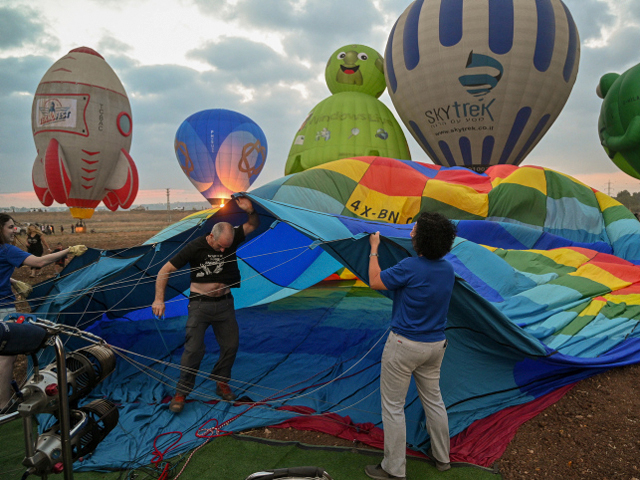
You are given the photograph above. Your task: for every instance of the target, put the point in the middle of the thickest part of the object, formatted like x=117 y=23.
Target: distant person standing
x=53 y=229
x=35 y=246
x=73 y=228
x=61 y=229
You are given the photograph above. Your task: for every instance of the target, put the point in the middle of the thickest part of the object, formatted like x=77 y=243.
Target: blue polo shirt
x=422 y=290
x=11 y=257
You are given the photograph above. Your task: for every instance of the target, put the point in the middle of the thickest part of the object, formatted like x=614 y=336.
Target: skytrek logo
x=484 y=75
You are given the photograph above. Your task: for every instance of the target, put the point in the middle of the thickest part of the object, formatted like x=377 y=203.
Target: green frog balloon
x=351 y=122
x=619 y=121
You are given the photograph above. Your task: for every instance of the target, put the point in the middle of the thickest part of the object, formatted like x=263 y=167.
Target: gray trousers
x=402 y=358
x=221 y=316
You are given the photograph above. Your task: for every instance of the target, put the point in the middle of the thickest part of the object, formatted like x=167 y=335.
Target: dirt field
x=593 y=432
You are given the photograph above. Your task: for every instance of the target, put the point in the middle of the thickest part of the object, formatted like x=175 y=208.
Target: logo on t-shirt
x=215 y=261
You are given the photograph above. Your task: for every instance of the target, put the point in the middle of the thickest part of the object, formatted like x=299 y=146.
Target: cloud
x=309 y=30
x=251 y=63
x=110 y=45
x=20 y=28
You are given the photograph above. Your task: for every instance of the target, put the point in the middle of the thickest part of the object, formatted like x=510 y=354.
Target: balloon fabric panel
x=521 y=323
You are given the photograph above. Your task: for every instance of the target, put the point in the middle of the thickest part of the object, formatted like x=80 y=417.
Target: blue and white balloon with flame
x=479 y=83
x=221 y=152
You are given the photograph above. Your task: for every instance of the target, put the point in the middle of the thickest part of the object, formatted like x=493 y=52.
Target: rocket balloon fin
x=57 y=172
x=40 y=185
x=123 y=186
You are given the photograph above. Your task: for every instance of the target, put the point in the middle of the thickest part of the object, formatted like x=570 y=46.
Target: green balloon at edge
x=619 y=120
x=347 y=124
x=355 y=68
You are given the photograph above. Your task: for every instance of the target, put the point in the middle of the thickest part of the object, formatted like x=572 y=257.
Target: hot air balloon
x=619 y=121
x=352 y=121
x=480 y=83
x=81 y=121
x=221 y=152
x=343 y=125
x=355 y=68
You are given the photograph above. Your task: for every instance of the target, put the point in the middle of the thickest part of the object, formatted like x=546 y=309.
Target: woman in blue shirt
x=422 y=287
x=11 y=257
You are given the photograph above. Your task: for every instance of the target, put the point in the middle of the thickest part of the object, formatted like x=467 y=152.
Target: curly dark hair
x=434 y=235
x=4 y=218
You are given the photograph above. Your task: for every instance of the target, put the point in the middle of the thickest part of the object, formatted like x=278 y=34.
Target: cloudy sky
x=266 y=60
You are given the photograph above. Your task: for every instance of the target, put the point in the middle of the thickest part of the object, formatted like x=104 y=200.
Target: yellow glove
x=22 y=288
x=77 y=250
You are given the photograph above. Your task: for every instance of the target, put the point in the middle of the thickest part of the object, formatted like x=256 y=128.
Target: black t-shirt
x=207 y=265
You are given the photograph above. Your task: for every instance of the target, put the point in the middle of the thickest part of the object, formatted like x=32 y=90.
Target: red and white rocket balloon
x=81 y=122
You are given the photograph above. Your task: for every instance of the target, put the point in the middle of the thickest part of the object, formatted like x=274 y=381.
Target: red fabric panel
x=482 y=443
x=480 y=183
x=394 y=178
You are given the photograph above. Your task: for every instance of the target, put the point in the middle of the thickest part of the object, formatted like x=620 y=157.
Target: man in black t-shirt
x=214 y=271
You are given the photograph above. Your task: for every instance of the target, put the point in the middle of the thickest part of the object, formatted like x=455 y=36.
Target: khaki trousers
x=402 y=358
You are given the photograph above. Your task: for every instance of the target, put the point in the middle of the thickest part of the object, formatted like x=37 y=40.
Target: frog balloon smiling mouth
x=349 y=70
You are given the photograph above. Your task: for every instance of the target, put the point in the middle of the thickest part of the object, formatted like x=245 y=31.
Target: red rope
x=158 y=456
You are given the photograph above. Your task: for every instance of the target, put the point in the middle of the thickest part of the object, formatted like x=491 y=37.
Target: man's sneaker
x=177 y=403
x=224 y=392
x=376 y=471
x=443 y=467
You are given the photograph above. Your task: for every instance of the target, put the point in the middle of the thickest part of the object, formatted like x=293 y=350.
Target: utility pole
x=169 y=204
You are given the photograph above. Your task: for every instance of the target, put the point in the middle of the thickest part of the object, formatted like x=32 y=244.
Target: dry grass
x=106 y=221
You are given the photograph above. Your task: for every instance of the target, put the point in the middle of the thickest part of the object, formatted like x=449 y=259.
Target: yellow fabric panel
x=564 y=256
x=462 y=197
x=593 y=309
x=605 y=201
x=528 y=177
x=630 y=299
x=597 y=274
x=203 y=213
x=347 y=274
x=373 y=205
x=349 y=167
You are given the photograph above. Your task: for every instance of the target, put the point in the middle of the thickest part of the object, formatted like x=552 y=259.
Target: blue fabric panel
x=389 y=67
x=410 y=40
x=568 y=213
x=545 y=39
x=474 y=281
x=489 y=233
x=501 y=16
x=572 y=51
x=427 y=172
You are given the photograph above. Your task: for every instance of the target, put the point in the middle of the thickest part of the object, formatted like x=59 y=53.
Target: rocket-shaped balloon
x=81 y=122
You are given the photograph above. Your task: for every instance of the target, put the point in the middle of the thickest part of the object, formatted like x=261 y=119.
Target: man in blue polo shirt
x=422 y=288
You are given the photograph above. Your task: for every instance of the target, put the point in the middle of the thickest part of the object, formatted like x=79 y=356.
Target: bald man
x=214 y=271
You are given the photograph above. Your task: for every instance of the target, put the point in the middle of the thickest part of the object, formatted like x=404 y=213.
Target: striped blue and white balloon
x=479 y=82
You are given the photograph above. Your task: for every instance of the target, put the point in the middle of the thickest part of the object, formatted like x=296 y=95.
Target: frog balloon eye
x=124 y=124
x=362 y=56
x=341 y=55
